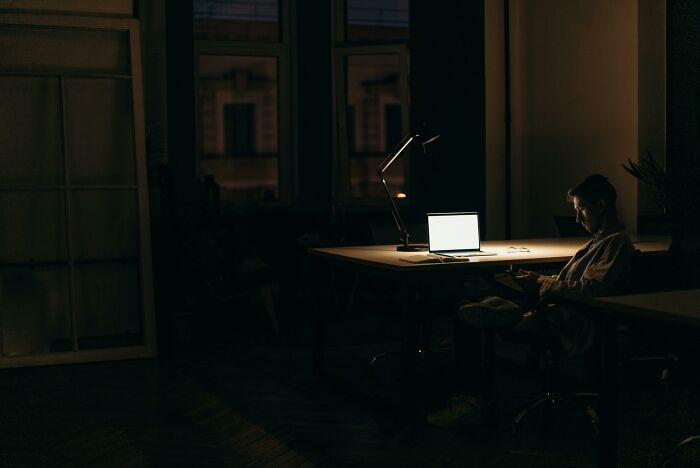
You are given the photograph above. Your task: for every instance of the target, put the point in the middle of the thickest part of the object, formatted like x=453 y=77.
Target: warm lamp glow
x=400 y=195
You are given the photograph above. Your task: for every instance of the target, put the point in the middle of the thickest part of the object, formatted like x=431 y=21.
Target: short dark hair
x=595 y=187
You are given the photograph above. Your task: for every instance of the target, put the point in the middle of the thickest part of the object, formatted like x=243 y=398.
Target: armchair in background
x=225 y=272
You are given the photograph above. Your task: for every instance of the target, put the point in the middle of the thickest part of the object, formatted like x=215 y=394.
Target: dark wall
x=313 y=123
x=683 y=135
x=447 y=91
x=683 y=75
x=181 y=112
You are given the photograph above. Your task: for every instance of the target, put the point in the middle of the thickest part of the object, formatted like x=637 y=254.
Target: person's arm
x=528 y=280
x=598 y=278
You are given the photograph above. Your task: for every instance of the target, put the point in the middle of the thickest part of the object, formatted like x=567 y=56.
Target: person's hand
x=528 y=280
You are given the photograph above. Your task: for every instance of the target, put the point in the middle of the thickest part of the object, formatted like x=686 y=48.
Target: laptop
x=455 y=235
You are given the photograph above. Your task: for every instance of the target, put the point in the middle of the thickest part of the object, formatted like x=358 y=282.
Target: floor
x=251 y=400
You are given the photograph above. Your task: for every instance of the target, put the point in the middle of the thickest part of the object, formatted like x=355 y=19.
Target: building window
x=371 y=76
x=239 y=128
x=372 y=86
x=378 y=20
x=242 y=57
x=237 y=20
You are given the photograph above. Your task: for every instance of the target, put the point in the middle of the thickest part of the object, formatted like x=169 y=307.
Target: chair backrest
x=629 y=281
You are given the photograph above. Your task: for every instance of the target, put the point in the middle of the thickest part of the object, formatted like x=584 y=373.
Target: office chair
x=568 y=227
x=554 y=356
x=224 y=272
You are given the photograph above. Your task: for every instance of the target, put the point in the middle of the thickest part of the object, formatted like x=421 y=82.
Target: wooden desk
x=681 y=307
x=385 y=262
x=542 y=251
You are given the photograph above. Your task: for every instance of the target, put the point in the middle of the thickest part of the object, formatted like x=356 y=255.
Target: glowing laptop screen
x=453 y=231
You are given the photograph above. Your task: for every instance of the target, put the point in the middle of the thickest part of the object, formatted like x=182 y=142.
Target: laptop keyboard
x=479 y=253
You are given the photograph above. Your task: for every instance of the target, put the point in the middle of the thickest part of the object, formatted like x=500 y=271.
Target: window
x=75 y=258
x=242 y=69
x=371 y=79
x=239 y=130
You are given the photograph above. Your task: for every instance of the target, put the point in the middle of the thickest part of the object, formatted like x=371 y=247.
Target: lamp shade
x=426 y=134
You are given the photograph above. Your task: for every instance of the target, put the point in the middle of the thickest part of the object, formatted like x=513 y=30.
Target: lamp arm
x=381 y=169
x=395 y=212
x=391 y=157
x=426 y=135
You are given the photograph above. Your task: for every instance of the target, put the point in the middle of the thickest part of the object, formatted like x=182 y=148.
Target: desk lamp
x=424 y=135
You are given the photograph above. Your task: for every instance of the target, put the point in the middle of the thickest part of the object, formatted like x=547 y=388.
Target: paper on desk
x=432 y=258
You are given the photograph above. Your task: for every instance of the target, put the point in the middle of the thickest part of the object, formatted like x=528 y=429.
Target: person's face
x=589 y=215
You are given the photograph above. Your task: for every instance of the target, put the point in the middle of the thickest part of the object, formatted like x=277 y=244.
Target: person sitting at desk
x=593 y=271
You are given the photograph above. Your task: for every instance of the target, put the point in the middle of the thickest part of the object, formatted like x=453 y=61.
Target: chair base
x=553 y=399
x=442 y=353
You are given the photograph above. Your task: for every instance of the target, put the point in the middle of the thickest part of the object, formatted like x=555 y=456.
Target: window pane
x=108 y=305
x=377 y=19
x=31 y=139
x=99 y=131
x=34 y=310
x=34 y=49
x=236 y=20
x=33 y=227
x=238 y=125
x=105 y=224
x=373 y=122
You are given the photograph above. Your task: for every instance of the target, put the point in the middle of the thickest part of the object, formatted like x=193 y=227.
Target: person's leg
x=471 y=322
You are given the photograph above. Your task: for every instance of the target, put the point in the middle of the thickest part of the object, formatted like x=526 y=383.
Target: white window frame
x=148 y=348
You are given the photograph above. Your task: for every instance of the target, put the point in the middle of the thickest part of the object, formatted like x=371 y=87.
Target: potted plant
x=678 y=194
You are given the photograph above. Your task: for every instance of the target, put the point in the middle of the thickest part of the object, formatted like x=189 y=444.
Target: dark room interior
x=267 y=279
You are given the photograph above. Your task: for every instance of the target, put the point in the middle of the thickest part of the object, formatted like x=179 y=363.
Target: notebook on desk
x=455 y=235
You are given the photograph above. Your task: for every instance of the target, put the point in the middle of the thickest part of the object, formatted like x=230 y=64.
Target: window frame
x=281 y=51
x=140 y=188
x=342 y=49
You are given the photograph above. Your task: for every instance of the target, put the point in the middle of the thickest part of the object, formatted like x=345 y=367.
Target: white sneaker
x=462 y=410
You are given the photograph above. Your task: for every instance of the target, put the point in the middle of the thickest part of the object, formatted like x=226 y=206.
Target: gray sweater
x=593 y=271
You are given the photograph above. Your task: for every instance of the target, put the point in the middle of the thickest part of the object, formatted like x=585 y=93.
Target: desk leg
x=410 y=347
x=319 y=338
x=607 y=437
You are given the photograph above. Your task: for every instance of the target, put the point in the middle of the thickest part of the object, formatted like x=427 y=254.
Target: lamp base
x=412 y=248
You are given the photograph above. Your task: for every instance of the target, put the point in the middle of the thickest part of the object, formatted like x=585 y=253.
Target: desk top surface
x=551 y=250
x=673 y=306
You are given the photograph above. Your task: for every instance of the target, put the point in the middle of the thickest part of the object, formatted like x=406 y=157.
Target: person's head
x=594 y=202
